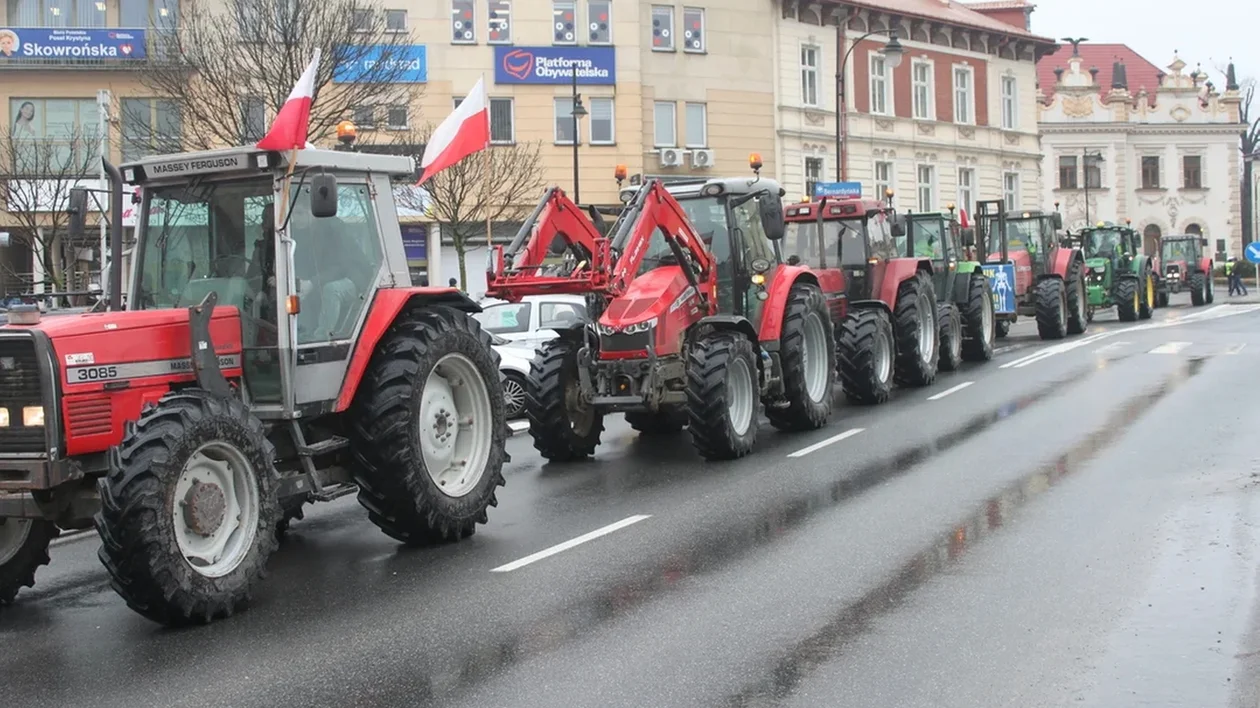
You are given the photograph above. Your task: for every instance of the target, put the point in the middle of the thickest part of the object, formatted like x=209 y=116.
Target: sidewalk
x=1224 y=298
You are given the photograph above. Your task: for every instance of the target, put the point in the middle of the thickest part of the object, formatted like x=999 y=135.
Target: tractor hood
x=647 y=298
x=65 y=326
x=658 y=306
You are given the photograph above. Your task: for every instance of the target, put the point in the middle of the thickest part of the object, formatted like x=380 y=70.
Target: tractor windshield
x=927 y=238
x=1178 y=250
x=1021 y=235
x=801 y=240
x=1103 y=243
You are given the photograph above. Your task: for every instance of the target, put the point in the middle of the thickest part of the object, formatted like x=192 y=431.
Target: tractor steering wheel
x=234 y=264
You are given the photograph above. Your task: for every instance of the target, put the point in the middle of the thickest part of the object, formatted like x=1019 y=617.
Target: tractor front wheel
x=1051 y=309
x=665 y=422
x=1198 y=289
x=23 y=549
x=918 y=334
x=722 y=396
x=188 y=509
x=865 y=356
x=428 y=428
x=1146 y=306
x=951 y=336
x=979 y=327
x=1127 y=299
x=807 y=346
x=564 y=427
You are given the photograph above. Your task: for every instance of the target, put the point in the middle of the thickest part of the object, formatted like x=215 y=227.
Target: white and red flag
x=464 y=132
x=293 y=121
x=964 y=219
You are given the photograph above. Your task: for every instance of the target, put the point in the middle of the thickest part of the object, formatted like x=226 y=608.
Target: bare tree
x=1250 y=143
x=232 y=64
x=36 y=176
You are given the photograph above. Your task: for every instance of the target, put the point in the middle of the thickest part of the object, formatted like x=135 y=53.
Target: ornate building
x=1125 y=140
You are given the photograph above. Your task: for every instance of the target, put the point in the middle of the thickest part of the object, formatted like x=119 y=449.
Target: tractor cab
x=1177 y=252
x=1108 y=248
x=1184 y=266
x=858 y=236
x=1025 y=239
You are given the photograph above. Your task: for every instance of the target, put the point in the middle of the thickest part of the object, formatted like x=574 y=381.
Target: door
x=749 y=237
x=853 y=251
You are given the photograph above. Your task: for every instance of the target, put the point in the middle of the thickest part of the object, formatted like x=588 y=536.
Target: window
x=1010 y=103
x=463 y=22
x=599 y=21
x=502 y=121
x=508 y=318
x=693 y=30
x=813 y=174
x=57 y=136
x=1150 y=172
x=879 y=84
x=927 y=187
x=563 y=22
x=396 y=117
x=499 y=22
x=395 y=20
x=924 y=102
x=254 y=119
x=1093 y=172
x=665 y=124
x=149 y=127
x=809 y=76
x=56 y=13
x=967 y=189
x=697 y=125
x=662 y=28
x=1010 y=190
x=603 y=131
x=565 y=134
x=553 y=315
x=360 y=20
x=1067 y=172
x=883 y=179
x=964 y=101
x=1192 y=171
x=365 y=117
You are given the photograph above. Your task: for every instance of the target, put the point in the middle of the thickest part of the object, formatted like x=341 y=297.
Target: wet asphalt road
x=1069 y=525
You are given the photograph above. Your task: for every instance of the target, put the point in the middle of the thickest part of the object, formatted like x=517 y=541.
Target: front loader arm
x=517 y=271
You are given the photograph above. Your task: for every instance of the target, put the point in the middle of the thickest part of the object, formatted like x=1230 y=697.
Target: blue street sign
x=843 y=190
x=1002 y=283
x=373 y=63
x=1253 y=252
x=555 y=65
x=71 y=43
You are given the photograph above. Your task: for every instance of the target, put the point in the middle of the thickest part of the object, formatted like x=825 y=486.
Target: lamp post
x=1096 y=157
x=893 y=51
x=578 y=111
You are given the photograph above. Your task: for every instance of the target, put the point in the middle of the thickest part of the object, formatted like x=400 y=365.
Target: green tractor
x=1119 y=274
x=965 y=301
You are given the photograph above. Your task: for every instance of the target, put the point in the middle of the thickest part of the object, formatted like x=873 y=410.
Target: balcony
x=78 y=48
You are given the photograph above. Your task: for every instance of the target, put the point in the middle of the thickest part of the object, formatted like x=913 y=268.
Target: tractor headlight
x=32 y=416
x=643 y=326
x=4 y=417
x=606 y=330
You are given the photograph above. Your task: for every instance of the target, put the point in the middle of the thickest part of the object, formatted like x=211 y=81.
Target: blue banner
x=403 y=63
x=842 y=190
x=70 y=43
x=595 y=66
x=1002 y=283
x=415 y=239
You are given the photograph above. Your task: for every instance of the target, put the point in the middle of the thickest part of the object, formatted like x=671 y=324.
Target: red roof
x=1140 y=72
x=948 y=11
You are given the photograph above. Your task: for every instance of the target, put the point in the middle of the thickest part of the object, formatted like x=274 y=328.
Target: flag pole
x=487 y=191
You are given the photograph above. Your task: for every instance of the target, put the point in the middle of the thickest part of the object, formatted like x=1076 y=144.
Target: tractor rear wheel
x=918 y=334
x=979 y=327
x=807 y=346
x=23 y=549
x=865 y=356
x=664 y=422
x=188 y=509
x=1209 y=289
x=428 y=429
x=1198 y=289
x=1146 y=294
x=564 y=427
x=1077 y=300
x=722 y=396
x=1126 y=297
x=1051 y=309
x=951 y=336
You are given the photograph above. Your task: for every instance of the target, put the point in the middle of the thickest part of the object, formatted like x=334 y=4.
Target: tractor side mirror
x=323 y=196
x=771 y=208
x=968 y=238
x=898 y=229
x=1058 y=220
x=76 y=207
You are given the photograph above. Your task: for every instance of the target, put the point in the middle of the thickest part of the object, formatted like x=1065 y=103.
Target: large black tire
x=979 y=325
x=916 y=360
x=1001 y=328
x=665 y=422
x=1125 y=293
x=25 y=550
x=719 y=365
x=805 y=321
x=1161 y=298
x=1198 y=289
x=1077 y=300
x=552 y=399
x=1051 y=309
x=951 y=336
x=1146 y=295
x=864 y=352
x=138 y=524
x=1209 y=289
x=397 y=410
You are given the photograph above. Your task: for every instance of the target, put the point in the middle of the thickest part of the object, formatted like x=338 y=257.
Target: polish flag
x=963 y=219
x=289 y=129
x=464 y=132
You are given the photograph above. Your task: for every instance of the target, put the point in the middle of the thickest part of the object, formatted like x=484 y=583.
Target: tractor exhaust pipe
x=115 y=235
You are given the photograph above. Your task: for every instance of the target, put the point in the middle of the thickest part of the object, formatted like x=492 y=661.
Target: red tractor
x=885 y=311
x=698 y=323
x=272 y=352
x=1185 y=266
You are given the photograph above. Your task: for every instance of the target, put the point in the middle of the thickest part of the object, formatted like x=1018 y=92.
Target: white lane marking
x=1235 y=349
x=560 y=548
x=71 y=537
x=518 y=426
x=948 y=391
x=829 y=441
x=1110 y=347
x=1050 y=351
x=1169 y=348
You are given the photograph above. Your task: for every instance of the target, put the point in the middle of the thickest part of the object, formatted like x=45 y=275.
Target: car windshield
x=508 y=318
x=1102 y=243
x=1178 y=250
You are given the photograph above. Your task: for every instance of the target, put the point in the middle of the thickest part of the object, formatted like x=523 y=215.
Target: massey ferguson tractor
x=887 y=320
x=1119 y=274
x=1031 y=272
x=1185 y=267
x=272 y=352
x=697 y=324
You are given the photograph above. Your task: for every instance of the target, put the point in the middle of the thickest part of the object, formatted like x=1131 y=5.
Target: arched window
x=1150 y=239
x=1194 y=229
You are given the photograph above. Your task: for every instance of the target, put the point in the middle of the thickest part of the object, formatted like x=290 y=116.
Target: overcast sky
x=1203 y=31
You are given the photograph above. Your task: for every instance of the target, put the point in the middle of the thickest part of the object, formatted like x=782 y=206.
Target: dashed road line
x=1235 y=349
x=571 y=543
x=829 y=441
x=949 y=391
x=1169 y=348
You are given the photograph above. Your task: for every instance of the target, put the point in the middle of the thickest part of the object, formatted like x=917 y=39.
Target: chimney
x=1119 y=77
x=1231 y=78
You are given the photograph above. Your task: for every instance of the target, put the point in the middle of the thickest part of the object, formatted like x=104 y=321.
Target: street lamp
x=1096 y=157
x=893 y=51
x=578 y=111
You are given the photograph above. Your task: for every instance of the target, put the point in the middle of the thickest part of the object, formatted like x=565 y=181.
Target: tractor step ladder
x=307 y=453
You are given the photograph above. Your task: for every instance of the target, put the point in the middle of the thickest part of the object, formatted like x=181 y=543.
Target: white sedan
x=514 y=362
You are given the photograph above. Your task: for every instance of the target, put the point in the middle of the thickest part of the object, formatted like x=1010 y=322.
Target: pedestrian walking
x=1236 y=285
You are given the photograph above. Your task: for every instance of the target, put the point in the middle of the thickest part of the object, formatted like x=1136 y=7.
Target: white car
x=534 y=319
x=514 y=365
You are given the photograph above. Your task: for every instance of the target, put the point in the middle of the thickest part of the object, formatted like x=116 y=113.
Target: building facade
x=1125 y=140
x=954 y=122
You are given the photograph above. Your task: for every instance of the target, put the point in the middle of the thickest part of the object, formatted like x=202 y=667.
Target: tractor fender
x=1141 y=264
x=898 y=271
x=382 y=311
x=870 y=305
x=1063 y=262
x=729 y=323
x=780 y=286
x=1205 y=265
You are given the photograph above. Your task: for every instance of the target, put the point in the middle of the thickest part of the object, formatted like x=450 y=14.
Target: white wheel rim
x=513 y=395
x=883 y=357
x=814 y=358
x=986 y=320
x=455 y=425
x=13 y=533
x=739 y=392
x=215 y=509
x=927 y=329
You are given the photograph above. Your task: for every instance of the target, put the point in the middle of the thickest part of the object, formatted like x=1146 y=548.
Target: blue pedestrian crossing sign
x=1002 y=282
x=1253 y=252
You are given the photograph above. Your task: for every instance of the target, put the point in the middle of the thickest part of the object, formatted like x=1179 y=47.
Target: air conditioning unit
x=701 y=159
x=671 y=157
